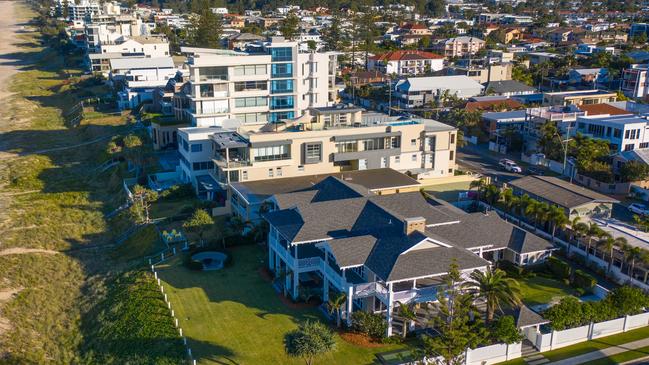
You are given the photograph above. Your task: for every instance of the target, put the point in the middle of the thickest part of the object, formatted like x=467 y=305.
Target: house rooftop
x=371 y=180
x=599 y=109
x=559 y=192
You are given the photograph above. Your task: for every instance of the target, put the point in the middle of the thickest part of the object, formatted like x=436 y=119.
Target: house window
x=413 y=157
x=281 y=54
x=250 y=85
x=244 y=175
x=197 y=147
x=270 y=172
x=451 y=155
x=628 y=147
x=250 y=102
x=250 y=70
x=279 y=171
x=397 y=159
x=271 y=153
x=413 y=142
x=281 y=70
x=200 y=166
x=300 y=168
x=185 y=145
x=452 y=138
x=644 y=145
x=312 y=153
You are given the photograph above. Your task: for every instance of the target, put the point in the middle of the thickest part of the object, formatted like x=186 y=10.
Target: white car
x=510 y=165
x=638 y=208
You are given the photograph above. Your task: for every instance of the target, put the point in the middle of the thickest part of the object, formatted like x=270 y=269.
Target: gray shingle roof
x=352 y=251
x=478 y=229
x=558 y=191
x=509 y=86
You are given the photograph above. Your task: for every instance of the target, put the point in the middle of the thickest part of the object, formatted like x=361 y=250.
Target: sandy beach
x=10 y=27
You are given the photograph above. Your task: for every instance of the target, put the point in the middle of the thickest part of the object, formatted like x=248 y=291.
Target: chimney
x=413 y=224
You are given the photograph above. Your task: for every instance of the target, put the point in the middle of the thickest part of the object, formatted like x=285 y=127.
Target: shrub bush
x=178 y=192
x=583 y=281
x=558 y=267
x=370 y=324
x=511 y=269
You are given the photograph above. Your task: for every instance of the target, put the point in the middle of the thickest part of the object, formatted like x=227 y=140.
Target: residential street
x=479 y=159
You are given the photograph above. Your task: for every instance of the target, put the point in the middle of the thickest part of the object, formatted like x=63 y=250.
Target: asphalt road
x=480 y=160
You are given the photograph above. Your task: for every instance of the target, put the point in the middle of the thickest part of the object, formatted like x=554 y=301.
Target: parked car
x=509 y=165
x=638 y=208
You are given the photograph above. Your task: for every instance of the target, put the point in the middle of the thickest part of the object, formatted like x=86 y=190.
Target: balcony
x=371 y=289
x=418 y=295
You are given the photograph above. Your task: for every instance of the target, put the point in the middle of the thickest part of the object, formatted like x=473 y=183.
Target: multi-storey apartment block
x=323 y=141
x=271 y=82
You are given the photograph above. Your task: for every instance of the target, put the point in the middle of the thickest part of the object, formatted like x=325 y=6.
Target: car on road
x=509 y=165
x=638 y=208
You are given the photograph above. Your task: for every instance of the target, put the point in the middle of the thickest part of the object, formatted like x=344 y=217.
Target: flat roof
x=374 y=179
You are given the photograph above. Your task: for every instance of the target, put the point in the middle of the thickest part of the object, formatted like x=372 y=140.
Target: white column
x=388 y=313
x=414 y=283
x=296 y=282
x=271 y=256
x=350 y=304
x=325 y=288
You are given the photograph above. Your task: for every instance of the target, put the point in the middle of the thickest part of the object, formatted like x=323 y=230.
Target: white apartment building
x=624 y=132
x=83 y=10
x=459 y=46
x=124 y=47
x=272 y=83
x=323 y=141
x=137 y=78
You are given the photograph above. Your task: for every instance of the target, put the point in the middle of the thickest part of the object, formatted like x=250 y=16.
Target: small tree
x=408 y=315
x=495 y=288
x=453 y=323
x=336 y=305
x=634 y=171
x=504 y=330
x=310 y=340
x=142 y=199
x=199 y=223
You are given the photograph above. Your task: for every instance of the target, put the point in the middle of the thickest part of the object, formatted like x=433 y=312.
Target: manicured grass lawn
x=234 y=316
x=542 y=290
x=623 y=357
x=519 y=361
x=448 y=192
x=598 y=344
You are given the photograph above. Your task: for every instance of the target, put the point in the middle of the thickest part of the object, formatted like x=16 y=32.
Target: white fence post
x=176 y=322
x=172 y=313
x=166 y=301
x=155 y=275
x=626 y=320
x=180 y=330
x=162 y=289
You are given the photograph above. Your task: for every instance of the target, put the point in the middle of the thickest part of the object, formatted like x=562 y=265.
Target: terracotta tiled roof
x=405 y=55
x=490 y=104
x=598 y=109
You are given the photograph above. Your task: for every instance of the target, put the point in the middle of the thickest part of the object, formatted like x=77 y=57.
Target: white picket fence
x=558 y=339
x=190 y=356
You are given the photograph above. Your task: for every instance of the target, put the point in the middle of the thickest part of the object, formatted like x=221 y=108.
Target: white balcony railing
x=309 y=263
x=428 y=294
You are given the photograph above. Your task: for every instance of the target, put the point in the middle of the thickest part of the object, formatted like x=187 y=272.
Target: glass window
x=197 y=147
x=277 y=116
x=451 y=155
x=270 y=172
x=213 y=73
x=272 y=153
x=252 y=117
x=413 y=157
x=281 y=54
x=185 y=145
x=249 y=70
x=413 y=142
x=250 y=85
x=250 y=102
x=281 y=102
x=281 y=86
x=205 y=165
x=313 y=153
x=343 y=147
x=281 y=70
x=279 y=171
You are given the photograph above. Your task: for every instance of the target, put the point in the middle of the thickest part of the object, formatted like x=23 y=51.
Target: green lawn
x=233 y=316
x=542 y=290
x=598 y=344
x=448 y=192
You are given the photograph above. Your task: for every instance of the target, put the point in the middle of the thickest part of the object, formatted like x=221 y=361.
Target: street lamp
x=565 y=149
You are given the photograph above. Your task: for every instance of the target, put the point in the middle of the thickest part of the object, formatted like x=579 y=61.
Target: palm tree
x=495 y=288
x=530 y=209
x=632 y=253
x=491 y=194
x=336 y=305
x=609 y=244
x=557 y=216
x=593 y=231
x=480 y=184
x=578 y=229
x=407 y=313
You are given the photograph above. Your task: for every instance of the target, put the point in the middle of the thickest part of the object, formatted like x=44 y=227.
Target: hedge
x=559 y=267
x=371 y=324
x=583 y=280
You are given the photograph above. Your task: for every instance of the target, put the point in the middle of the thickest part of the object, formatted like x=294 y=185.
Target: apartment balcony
x=371 y=289
x=234 y=158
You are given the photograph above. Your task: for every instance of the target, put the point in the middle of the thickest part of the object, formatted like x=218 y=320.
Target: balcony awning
x=271 y=143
